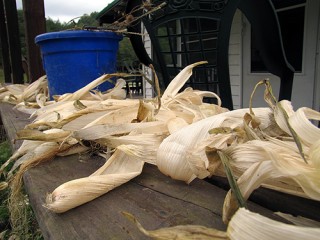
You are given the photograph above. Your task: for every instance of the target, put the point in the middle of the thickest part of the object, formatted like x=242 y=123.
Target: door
x=299 y=21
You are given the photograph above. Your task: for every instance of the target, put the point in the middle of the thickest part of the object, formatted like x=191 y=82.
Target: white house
x=300 y=26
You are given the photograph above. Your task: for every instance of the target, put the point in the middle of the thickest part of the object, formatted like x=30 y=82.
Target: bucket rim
x=77 y=34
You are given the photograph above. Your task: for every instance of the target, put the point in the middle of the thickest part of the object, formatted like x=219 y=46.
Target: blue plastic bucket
x=72 y=59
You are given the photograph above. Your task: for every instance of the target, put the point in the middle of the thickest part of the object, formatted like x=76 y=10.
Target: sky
x=65 y=10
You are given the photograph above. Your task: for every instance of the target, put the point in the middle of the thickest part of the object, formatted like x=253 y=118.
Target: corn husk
x=183 y=232
x=248 y=225
x=279 y=165
x=177 y=83
x=299 y=221
x=244 y=225
x=26 y=146
x=136 y=128
x=24 y=93
x=182 y=154
x=117 y=170
x=183 y=136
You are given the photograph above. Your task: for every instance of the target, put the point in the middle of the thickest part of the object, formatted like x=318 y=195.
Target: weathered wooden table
x=154 y=199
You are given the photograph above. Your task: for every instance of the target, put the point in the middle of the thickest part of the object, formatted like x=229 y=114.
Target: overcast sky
x=65 y=10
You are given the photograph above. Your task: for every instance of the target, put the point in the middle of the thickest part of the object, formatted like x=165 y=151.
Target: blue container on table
x=72 y=59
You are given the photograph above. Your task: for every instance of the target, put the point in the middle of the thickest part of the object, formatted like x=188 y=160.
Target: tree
x=126 y=56
x=88 y=20
x=56 y=25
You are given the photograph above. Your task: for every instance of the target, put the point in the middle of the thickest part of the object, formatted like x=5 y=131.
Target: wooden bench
x=156 y=200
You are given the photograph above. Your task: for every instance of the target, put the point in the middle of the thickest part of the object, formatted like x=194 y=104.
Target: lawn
x=30 y=229
x=1 y=76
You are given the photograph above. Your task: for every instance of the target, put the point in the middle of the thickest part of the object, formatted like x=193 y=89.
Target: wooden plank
x=13 y=121
x=4 y=45
x=278 y=201
x=35 y=24
x=156 y=200
x=101 y=218
x=198 y=192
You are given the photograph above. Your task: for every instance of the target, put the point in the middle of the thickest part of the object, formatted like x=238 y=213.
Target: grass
x=1 y=76
x=5 y=153
x=28 y=232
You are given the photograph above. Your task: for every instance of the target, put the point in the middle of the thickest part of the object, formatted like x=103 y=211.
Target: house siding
x=235 y=59
x=148 y=89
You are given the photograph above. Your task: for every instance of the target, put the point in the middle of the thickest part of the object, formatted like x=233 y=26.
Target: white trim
x=306 y=85
x=316 y=87
x=291 y=7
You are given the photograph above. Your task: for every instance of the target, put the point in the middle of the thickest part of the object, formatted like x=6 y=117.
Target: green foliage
x=85 y=20
x=88 y=20
x=33 y=231
x=126 y=55
x=56 y=25
x=1 y=74
x=5 y=153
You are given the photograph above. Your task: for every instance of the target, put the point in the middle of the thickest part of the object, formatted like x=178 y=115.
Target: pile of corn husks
x=186 y=138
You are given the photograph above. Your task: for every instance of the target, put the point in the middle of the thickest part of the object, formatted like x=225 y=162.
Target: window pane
x=164 y=44
x=193 y=43
x=189 y=25
x=209 y=41
x=292 y=29
x=162 y=31
x=211 y=57
x=208 y=25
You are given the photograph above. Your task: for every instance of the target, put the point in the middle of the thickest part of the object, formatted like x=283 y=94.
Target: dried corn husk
x=183 y=232
x=43 y=151
x=177 y=137
x=120 y=168
x=244 y=225
x=22 y=93
x=117 y=92
x=85 y=91
x=279 y=165
x=248 y=225
x=299 y=221
x=134 y=128
x=26 y=146
x=182 y=154
x=177 y=83
x=110 y=129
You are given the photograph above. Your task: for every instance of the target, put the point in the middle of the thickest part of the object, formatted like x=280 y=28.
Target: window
x=291 y=14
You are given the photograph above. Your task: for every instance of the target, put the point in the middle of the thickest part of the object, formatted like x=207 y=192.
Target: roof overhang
x=112 y=11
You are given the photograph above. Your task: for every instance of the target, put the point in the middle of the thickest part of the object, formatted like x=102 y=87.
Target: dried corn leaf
x=177 y=83
x=179 y=156
x=248 y=225
x=79 y=94
x=299 y=221
x=183 y=232
x=117 y=170
x=111 y=129
x=55 y=135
